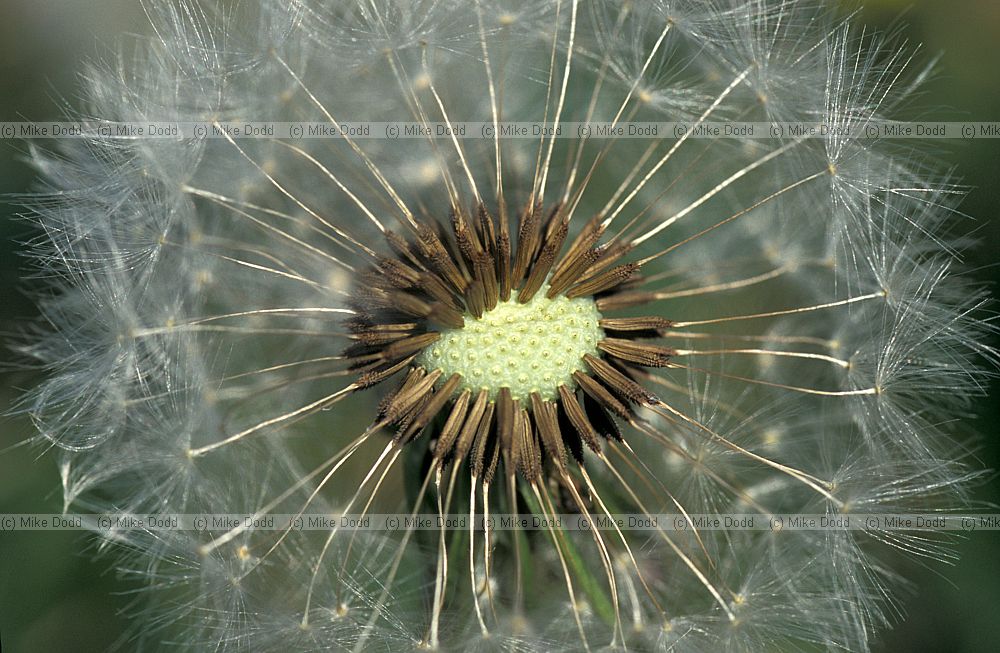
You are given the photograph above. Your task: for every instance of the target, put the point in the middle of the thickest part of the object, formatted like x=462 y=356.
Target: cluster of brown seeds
x=438 y=276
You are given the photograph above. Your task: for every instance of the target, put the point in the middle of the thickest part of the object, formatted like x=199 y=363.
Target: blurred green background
x=55 y=595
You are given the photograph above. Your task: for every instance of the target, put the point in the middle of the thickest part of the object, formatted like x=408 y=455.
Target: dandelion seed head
x=534 y=327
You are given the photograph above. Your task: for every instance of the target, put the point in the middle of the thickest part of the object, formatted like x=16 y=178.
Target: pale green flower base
x=532 y=347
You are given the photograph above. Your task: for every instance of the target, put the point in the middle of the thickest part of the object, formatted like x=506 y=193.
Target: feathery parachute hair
x=270 y=326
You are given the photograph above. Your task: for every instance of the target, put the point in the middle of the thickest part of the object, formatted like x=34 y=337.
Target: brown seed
x=546 y=258
x=625 y=299
x=504 y=273
x=475 y=299
x=409 y=396
x=527 y=241
x=373 y=338
x=374 y=377
x=529 y=456
x=435 y=287
x=465 y=236
x=430 y=409
x=572 y=272
x=506 y=407
x=477 y=413
x=404 y=303
x=604 y=281
x=578 y=418
x=402 y=248
x=637 y=352
x=486 y=271
x=602 y=395
x=493 y=457
x=487 y=234
x=610 y=253
x=602 y=421
x=397 y=273
x=583 y=242
x=547 y=422
x=620 y=384
x=484 y=437
x=409 y=345
x=452 y=427
x=434 y=250
x=636 y=327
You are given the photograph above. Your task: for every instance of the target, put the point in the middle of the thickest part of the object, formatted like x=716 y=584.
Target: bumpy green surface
x=532 y=347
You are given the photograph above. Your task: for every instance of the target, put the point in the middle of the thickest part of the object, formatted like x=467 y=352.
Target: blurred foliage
x=57 y=595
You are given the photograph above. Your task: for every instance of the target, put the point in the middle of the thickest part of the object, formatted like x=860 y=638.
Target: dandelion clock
x=493 y=326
